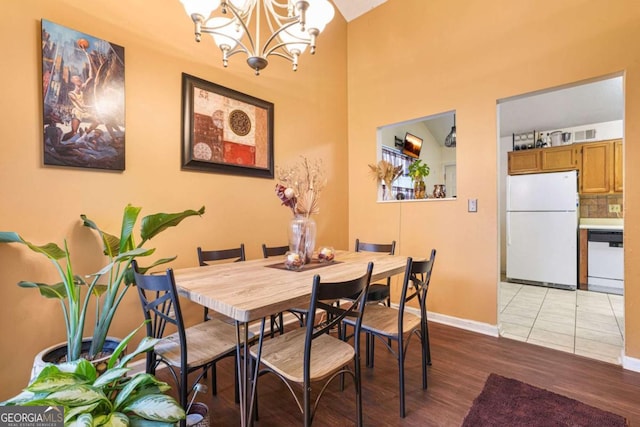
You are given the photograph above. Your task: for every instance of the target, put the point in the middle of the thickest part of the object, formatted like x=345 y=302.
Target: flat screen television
x=412 y=145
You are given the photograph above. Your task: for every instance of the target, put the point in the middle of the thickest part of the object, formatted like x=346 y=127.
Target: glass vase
x=419 y=189
x=302 y=236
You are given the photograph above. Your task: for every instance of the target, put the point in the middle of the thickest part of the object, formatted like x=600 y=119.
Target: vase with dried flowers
x=384 y=172
x=299 y=189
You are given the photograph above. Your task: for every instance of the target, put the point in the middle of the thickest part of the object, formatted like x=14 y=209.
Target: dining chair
x=214 y=256
x=277 y=320
x=188 y=349
x=211 y=256
x=393 y=324
x=311 y=355
x=378 y=292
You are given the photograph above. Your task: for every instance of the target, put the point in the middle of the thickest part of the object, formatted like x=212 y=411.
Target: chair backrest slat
x=389 y=248
x=416 y=284
x=221 y=254
x=160 y=304
x=323 y=295
x=268 y=251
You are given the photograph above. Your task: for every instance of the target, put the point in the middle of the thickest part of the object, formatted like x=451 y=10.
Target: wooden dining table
x=249 y=291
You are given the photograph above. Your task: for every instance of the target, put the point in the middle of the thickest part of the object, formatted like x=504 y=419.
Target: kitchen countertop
x=602 y=223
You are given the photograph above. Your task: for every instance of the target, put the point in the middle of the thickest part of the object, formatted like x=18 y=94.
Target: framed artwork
x=225 y=131
x=83 y=99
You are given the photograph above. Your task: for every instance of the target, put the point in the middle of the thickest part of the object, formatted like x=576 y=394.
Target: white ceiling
x=595 y=102
x=351 y=9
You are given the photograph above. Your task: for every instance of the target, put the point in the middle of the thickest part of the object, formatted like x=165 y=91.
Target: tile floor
x=585 y=323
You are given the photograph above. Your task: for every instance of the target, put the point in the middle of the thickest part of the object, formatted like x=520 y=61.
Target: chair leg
x=214 y=380
x=367 y=349
x=358 y=387
x=426 y=330
x=401 y=375
x=372 y=350
x=183 y=392
x=306 y=409
x=281 y=320
x=272 y=325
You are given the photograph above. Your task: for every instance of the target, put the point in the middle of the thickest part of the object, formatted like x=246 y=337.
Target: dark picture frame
x=83 y=96
x=225 y=131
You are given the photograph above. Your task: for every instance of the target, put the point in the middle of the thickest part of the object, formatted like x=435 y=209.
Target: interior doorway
x=582 y=322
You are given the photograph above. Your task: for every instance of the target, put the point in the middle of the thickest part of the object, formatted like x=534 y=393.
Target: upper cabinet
x=617 y=166
x=552 y=159
x=560 y=158
x=601 y=171
x=599 y=163
x=527 y=161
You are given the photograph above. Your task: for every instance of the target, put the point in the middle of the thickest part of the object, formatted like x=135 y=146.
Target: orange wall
x=44 y=203
x=442 y=55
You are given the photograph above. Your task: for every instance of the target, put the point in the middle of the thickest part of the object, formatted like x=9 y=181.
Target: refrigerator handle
x=508 y=227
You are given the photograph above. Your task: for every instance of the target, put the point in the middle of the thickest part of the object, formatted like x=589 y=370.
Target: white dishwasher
x=606 y=261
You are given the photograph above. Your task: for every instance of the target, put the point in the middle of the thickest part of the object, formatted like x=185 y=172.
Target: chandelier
x=235 y=26
x=450 y=140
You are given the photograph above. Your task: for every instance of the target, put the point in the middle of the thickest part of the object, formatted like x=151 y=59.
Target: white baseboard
x=469 y=325
x=631 y=363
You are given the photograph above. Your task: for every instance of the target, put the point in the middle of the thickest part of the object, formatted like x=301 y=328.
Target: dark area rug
x=509 y=402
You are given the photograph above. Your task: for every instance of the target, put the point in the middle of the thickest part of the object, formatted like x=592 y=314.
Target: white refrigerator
x=542 y=229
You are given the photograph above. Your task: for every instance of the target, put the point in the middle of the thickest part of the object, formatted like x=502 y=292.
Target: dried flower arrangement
x=300 y=186
x=385 y=172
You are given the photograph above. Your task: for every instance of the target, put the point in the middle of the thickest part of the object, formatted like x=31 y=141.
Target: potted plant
x=110 y=398
x=418 y=171
x=108 y=286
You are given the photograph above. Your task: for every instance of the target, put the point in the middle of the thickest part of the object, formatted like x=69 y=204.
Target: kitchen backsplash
x=597 y=206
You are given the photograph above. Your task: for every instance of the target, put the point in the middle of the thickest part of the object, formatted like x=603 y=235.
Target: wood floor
x=462 y=361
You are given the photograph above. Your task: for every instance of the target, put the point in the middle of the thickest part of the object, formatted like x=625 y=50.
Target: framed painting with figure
x=83 y=99
x=225 y=131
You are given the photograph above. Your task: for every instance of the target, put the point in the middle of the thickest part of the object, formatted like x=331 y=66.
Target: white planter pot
x=56 y=354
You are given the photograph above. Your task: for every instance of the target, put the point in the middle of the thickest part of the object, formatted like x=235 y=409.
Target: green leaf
x=115 y=419
x=78 y=395
x=50 y=250
x=157 y=407
x=51 y=380
x=111 y=243
x=146 y=344
x=154 y=224
x=84 y=415
x=21 y=399
x=129 y=219
x=82 y=368
x=128 y=277
x=109 y=376
x=57 y=291
x=121 y=347
x=139 y=385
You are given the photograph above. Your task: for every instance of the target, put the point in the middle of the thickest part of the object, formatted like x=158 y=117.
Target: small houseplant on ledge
x=418 y=171
x=108 y=286
x=110 y=399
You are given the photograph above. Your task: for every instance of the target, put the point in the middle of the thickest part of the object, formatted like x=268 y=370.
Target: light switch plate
x=472 y=205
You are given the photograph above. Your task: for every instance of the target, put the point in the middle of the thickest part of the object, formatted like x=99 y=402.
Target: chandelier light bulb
x=240 y=26
x=227 y=32
x=319 y=14
x=203 y=8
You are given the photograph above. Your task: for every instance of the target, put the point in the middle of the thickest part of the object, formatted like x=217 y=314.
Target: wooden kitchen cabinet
x=583 y=260
x=560 y=158
x=599 y=168
x=617 y=166
x=526 y=161
x=552 y=159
